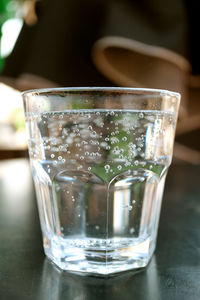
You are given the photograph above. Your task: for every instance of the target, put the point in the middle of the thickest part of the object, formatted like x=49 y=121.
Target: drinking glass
x=99 y=159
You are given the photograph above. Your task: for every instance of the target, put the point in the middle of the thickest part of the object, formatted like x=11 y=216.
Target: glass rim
x=128 y=90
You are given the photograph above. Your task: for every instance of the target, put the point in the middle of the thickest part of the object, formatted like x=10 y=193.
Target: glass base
x=100 y=262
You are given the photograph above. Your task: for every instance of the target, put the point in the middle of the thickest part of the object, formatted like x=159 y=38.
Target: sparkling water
x=99 y=177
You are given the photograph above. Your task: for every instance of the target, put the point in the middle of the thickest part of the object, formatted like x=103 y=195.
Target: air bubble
x=106 y=139
x=59 y=157
x=129 y=207
x=81 y=157
x=52 y=155
x=136 y=163
x=119 y=167
x=103 y=144
x=65 y=131
x=114 y=140
x=107 y=168
x=89 y=168
x=124 y=139
x=141 y=115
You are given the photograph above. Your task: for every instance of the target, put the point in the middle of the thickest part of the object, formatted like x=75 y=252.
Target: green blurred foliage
x=8 y=9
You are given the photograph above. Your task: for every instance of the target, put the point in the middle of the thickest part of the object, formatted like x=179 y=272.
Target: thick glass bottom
x=102 y=257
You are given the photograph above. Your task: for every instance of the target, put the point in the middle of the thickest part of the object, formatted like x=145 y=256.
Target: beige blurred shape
x=131 y=63
x=12 y=126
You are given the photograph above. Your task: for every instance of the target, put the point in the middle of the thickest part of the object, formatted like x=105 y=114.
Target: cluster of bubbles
x=84 y=139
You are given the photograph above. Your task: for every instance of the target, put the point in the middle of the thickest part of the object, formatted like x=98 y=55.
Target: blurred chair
x=131 y=63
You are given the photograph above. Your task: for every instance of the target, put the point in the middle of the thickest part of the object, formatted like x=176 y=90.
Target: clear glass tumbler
x=99 y=159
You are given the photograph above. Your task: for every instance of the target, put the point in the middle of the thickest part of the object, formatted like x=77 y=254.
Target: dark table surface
x=173 y=273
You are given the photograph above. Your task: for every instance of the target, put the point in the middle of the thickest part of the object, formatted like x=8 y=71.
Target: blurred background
x=136 y=43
